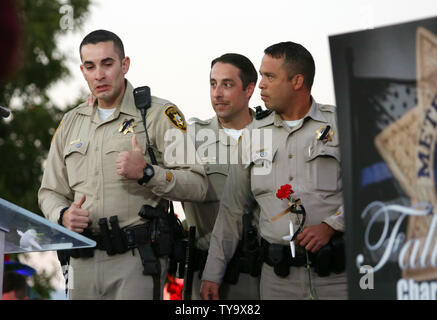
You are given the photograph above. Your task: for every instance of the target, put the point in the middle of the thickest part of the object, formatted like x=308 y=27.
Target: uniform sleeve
x=336 y=221
x=228 y=227
x=55 y=192
x=180 y=178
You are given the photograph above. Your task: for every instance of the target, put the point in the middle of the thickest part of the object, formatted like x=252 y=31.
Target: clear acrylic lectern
x=24 y=231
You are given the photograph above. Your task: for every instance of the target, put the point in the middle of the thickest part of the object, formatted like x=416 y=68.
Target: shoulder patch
x=327 y=107
x=172 y=113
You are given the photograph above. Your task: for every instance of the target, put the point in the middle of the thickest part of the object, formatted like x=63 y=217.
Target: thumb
x=79 y=203
x=135 y=146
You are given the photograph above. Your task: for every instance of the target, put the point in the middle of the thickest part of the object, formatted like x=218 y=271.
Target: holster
x=139 y=237
x=281 y=265
x=250 y=252
x=165 y=230
x=232 y=270
x=177 y=261
x=251 y=262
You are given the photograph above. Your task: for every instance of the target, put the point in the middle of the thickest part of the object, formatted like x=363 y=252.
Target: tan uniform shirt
x=296 y=157
x=217 y=154
x=82 y=160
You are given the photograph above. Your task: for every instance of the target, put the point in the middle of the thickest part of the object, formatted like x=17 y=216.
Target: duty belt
x=112 y=244
x=275 y=254
x=234 y=268
x=329 y=258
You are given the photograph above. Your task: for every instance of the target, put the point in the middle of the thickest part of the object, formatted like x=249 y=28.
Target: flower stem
x=308 y=267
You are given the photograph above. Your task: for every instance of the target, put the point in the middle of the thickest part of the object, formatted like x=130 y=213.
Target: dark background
x=375 y=83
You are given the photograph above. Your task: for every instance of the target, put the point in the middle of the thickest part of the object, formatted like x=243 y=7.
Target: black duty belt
x=100 y=243
x=330 y=258
x=112 y=245
x=275 y=254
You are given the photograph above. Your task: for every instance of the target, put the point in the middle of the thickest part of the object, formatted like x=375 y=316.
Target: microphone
x=143 y=101
x=142 y=98
x=4 y=113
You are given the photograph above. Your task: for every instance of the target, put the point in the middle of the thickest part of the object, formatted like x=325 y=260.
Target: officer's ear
x=82 y=70
x=125 y=63
x=250 y=89
x=297 y=81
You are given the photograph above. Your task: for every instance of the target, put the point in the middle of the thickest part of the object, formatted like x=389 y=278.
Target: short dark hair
x=296 y=58
x=247 y=72
x=14 y=282
x=103 y=36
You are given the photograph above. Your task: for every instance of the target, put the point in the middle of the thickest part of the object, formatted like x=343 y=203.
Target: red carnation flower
x=284 y=192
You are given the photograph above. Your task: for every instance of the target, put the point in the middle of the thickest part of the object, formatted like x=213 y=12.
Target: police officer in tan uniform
x=297 y=155
x=232 y=81
x=97 y=168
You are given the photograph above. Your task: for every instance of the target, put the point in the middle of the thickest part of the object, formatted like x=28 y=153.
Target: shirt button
x=290 y=178
x=290 y=156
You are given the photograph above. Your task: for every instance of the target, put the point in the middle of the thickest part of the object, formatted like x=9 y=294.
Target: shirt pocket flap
x=320 y=149
x=217 y=169
x=79 y=147
x=123 y=142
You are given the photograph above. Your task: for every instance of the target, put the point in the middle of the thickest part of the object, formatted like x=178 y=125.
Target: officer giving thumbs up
x=130 y=164
x=75 y=218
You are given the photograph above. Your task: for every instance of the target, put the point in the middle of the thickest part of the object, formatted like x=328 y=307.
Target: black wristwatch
x=61 y=215
x=148 y=173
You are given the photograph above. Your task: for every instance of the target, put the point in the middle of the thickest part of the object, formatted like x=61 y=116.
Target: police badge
x=127 y=126
x=324 y=134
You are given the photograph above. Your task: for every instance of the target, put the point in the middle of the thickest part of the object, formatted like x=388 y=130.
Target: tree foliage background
x=26 y=135
x=25 y=140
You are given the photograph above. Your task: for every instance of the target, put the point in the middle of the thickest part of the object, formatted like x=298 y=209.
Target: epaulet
x=198 y=121
x=81 y=108
x=328 y=108
x=159 y=102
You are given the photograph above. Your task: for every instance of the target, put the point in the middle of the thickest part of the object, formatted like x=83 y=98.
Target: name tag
x=205 y=160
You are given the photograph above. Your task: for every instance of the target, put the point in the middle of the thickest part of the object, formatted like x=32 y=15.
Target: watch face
x=149 y=171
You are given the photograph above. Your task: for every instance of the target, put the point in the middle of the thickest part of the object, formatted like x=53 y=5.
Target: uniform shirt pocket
x=76 y=162
x=324 y=166
x=217 y=174
x=262 y=173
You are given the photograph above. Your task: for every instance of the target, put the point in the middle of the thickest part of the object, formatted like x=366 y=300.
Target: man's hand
x=209 y=290
x=130 y=164
x=315 y=237
x=75 y=218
